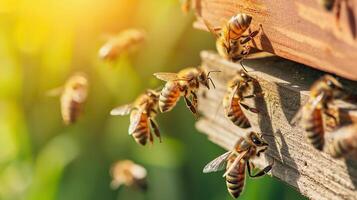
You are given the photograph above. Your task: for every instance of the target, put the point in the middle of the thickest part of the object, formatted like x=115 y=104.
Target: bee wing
x=138 y=171
x=213 y=30
x=217 y=164
x=166 y=76
x=121 y=110
x=134 y=121
x=236 y=161
x=313 y=104
x=55 y=92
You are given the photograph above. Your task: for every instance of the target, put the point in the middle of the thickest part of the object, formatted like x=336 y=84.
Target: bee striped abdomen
x=238 y=25
x=235 y=179
x=235 y=114
x=142 y=130
x=169 y=96
x=70 y=109
x=315 y=129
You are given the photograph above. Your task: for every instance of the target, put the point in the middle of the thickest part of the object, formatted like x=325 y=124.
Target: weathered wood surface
x=299 y=30
x=284 y=84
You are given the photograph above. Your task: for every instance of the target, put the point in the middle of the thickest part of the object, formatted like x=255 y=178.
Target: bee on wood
x=124 y=42
x=236 y=161
x=322 y=93
x=184 y=83
x=73 y=96
x=343 y=142
x=238 y=87
x=126 y=172
x=231 y=42
x=142 y=116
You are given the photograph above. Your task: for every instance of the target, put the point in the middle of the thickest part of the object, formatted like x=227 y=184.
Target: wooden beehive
x=301 y=31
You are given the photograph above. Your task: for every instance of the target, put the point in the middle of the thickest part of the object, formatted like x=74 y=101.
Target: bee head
x=257 y=139
x=333 y=87
x=204 y=78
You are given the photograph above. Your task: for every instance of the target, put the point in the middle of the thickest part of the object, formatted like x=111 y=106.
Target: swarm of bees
x=142 y=116
x=128 y=173
x=233 y=43
x=123 y=42
x=73 y=96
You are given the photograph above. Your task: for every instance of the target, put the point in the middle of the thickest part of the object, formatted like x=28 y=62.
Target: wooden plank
x=299 y=30
x=284 y=84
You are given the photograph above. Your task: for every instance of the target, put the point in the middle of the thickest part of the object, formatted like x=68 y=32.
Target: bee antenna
x=214 y=86
x=213 y=72
x=269 y=135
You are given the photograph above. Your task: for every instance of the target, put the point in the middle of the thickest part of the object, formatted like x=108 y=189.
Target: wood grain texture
x=299 y=30
x=284 y=84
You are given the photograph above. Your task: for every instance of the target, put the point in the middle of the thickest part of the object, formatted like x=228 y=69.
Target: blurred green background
x=42 y=42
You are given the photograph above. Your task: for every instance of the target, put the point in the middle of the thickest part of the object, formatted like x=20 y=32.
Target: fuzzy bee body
x=142 y=116
x=322 y=93
x=231 y=43
x=184 y=83
x=314 y=127
x=125 y=40
x=237 y=160
x=128 y=173
x=170 y=95
x=73 y=95
x=238 y=86
x=141 y=131
x=235 y=179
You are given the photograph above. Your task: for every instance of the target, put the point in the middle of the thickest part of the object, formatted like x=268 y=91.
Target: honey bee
x=73 y=96
x=343 y=142
x=184 y=83
x=126 y=172
x=231 y=42
x=236 y=160
x=238 y=87
x=142 y=116
x=125 y=40
x=322 y=93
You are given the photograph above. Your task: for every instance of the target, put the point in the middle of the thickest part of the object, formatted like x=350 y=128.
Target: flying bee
x=322 y=93
x=184 y=83
x=126 y=172
x=236 y=161
x=231 y=42
x=238 y=87
x=125 y=41
x=343 y=142
x=142 y=116
x=73 y=96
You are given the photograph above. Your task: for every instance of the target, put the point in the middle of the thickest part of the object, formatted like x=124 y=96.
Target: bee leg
x=253 y=110
x=155 y=128
x=254 y=95
x=190 y=105
x=151 y=138
x=251 y=35
x=260 y=173
x=194 y=98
